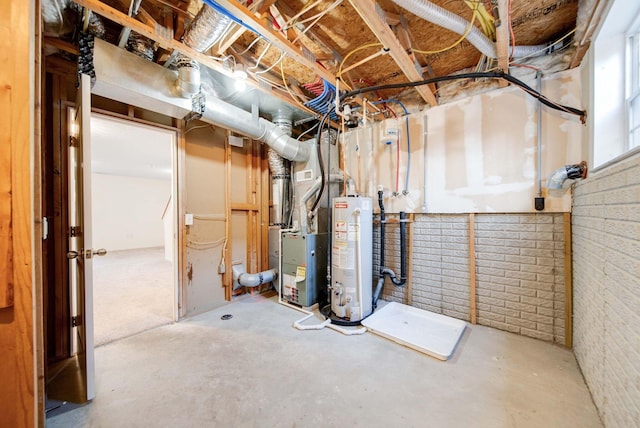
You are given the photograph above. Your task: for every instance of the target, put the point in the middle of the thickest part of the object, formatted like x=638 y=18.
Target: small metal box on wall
x=304 y=267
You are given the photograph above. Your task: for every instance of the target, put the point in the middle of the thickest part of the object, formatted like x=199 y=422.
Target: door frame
x=176 y=197
x=60 y=291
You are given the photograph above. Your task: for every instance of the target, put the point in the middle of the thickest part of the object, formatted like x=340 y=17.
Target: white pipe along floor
x=256 y=370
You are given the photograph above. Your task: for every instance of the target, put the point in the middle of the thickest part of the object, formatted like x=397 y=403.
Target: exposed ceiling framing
x=351 y=44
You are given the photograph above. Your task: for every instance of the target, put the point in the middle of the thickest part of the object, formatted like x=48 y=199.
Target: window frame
x=632 y=71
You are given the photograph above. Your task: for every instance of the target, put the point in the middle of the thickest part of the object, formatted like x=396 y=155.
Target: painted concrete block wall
x=519 y=270
x=520 y=274
x=606 y=284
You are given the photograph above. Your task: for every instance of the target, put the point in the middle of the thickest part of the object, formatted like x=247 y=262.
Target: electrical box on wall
x=304 y=265
x=390 y=134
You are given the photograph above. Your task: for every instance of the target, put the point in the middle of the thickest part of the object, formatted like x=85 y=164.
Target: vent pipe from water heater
x=280 y=175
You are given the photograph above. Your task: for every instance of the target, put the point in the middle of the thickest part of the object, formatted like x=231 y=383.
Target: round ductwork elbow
x=188 y=82
x=567 y=172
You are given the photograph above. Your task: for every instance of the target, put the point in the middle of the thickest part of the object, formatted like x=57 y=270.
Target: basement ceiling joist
x=171 y=44
x=371 y=13
x=323 y=37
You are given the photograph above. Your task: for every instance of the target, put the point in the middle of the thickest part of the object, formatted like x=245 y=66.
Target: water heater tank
x=351 y=258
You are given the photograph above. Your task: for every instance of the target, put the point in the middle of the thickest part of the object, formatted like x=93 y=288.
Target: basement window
x=633 y=84
x=615 y=57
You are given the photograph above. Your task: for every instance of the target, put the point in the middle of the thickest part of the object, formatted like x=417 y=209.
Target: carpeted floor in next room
x=133 y=291
x=256 y=370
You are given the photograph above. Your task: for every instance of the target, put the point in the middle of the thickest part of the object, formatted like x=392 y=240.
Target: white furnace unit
x=351 y=258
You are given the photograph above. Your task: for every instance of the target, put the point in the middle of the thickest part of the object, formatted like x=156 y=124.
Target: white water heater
x=351 y=258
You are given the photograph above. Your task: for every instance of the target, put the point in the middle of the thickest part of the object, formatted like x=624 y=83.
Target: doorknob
x=87 y=254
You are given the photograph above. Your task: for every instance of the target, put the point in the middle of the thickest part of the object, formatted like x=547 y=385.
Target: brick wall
x=520 y=274
x=519 y=270
x=606 y=287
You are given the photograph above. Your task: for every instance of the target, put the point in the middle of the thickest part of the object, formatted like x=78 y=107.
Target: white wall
x=480 y=152
x=127 y=211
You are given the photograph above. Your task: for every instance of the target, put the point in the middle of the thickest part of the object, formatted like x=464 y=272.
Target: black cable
x=478 y=75
x=320 y=161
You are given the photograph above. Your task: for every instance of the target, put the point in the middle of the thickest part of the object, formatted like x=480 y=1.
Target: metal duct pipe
x=567 y=172
x=280 y=174
x=228 y=116
x=452 y=22
x=127 y=78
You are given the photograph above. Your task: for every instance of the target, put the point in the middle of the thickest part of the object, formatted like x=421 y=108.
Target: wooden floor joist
x=174 y=45
x=367 y=10
x=502 y=39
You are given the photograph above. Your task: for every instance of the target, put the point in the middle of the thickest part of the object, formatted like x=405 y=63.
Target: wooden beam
x=170 y=44
x=568 y=283
x=227 y=277
x=57 y=43
x=276 y=38
x=312 y=34
x=239 y=206
x=181 y=210
x=472 y=267
x=375 y=19
x=261 y=8
x=585 y=40
x=55 y=65
x=7 y=139
x=502 y=39
x=19 y=393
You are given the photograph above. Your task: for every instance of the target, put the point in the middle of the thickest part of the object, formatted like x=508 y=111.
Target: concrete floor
x=255 y=370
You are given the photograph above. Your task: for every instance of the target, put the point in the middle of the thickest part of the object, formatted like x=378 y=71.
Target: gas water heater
x=351 y=258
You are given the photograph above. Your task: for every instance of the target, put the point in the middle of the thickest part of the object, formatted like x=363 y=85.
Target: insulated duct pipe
x=205 y=29
x=452 y=22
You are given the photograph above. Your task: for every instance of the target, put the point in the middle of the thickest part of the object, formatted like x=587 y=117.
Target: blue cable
x=225 y=12
x=406 y=117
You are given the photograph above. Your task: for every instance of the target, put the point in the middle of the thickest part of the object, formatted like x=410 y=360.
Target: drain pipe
x=403 y=256
x=255 y=279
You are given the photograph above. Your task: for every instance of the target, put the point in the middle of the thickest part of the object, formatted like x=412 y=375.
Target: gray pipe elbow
x=256 y=279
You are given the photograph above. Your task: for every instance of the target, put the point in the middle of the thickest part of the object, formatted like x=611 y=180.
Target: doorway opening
x=133 y=218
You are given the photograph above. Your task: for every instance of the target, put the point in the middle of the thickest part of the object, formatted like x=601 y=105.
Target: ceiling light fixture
x=240 y=75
